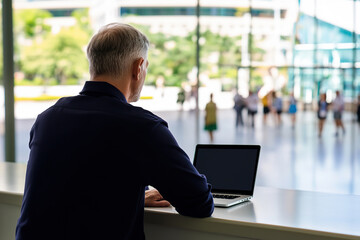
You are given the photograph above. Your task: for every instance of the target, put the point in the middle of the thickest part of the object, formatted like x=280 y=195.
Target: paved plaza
x=291 y=158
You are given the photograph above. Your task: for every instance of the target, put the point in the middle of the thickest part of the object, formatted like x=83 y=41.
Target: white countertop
x=12 y=177
x=293 y=210
x=279 y=208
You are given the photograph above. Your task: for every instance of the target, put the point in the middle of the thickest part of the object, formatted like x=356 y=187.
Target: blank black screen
x=228 y=169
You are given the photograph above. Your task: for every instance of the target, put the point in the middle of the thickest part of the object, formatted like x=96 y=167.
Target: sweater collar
x=94 y=88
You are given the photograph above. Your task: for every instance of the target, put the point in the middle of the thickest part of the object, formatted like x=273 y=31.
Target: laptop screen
x=228 y=168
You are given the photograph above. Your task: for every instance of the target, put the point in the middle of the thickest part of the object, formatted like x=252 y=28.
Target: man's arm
x=170 y=171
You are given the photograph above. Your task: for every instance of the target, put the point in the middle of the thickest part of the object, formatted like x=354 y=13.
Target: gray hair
x=114 y=48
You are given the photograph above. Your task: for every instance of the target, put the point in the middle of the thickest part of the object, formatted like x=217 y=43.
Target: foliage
x=60 y=56
x=257 y=54
x=256 y=81
x=27 y=82
x=173 y=57
x=170 y=57
x=53 y=58
x=31 y=22
x=29 y=25
x=228 y=52
x=83 y=20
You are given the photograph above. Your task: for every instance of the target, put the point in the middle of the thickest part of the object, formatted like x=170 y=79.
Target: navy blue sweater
x=91 y=157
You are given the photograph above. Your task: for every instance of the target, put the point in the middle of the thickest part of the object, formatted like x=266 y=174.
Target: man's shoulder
x=62 y=102
x=112 y=108
x=147 y=115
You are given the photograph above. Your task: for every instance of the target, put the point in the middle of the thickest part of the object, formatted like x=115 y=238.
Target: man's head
x=119 y=51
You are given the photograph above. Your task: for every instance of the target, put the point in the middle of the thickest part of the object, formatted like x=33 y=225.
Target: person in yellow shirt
x=266 y=102
x=210 y=118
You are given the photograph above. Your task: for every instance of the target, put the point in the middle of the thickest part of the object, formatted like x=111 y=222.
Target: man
x=93 y=155
x=338 y=106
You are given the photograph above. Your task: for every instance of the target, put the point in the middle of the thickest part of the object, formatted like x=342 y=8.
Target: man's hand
x=154 y=199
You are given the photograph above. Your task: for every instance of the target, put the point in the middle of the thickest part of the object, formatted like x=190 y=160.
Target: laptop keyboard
x=225 y=196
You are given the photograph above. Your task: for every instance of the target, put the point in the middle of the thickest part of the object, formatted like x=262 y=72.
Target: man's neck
x=121 y=84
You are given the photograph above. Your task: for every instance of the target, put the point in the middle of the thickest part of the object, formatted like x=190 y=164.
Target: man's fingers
x=154 y=199
x=153 y=194
x=158 y=197
x=162 y=203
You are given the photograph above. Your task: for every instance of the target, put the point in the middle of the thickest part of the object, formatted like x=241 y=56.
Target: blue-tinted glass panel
x=190 y=11
x=61 y=12
x=325 y=32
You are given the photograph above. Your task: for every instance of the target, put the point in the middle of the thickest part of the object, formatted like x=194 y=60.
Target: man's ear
x=136 y=68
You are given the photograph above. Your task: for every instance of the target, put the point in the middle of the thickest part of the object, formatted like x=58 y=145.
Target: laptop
x=230 y=169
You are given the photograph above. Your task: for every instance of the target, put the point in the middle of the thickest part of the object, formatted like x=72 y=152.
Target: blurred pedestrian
x=193 y=96
x=338 y=106
x=239 y=105
x=210 y=118
x=358 y=109
x=292 y=109
x=322 y=112
x=266 y=102
x=252 y=102
x=160 y=85
x=181 y=97
x=277 y=107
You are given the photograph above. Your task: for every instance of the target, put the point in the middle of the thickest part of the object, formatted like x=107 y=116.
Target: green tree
x=60 y=56
x=29 y=25
x=83 y=20
x=228 y=50
x=171 y=57
x=257 y=53
x=179 y=59
x=174 y=57
x=31 y=22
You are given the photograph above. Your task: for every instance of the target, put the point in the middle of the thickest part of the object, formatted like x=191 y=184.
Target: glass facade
x=191 y=11
x=61 y=12
x=288 y=46
x=329 y=46
x=304 y=47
